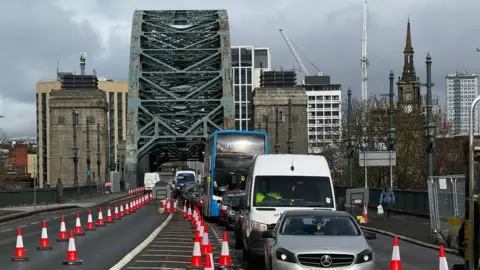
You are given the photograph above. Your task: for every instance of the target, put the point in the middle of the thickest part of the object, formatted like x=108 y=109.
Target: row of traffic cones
x=202 y=245
x=134 y=191
x=396 y=263
x=72 y=256
x=171 y=206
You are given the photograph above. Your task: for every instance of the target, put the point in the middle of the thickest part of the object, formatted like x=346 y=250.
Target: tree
x=3 y=158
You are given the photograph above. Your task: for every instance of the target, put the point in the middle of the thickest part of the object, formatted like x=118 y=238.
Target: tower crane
x=364 y=59
x=292 y=46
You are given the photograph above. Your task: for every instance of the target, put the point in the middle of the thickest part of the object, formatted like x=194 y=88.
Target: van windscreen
x=293 y=191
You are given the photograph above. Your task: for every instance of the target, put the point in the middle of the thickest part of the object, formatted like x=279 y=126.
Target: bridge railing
x=406 y=201
x=27 y=196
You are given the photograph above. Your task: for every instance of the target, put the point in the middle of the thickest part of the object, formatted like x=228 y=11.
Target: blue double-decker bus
x=228 y=154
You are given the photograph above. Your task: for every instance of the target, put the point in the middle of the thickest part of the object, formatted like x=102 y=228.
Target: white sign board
x=377 y=158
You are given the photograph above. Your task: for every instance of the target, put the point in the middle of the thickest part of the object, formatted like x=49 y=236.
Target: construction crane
x=364 y=59
x=291 y=46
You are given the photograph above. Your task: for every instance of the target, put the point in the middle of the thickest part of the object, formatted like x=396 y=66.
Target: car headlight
x=285 y=255
x=364 y=256
x=259 y=226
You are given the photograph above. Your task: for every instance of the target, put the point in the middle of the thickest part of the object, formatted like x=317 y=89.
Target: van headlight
x=259 y=226
x=364 y=256
x=285 y=256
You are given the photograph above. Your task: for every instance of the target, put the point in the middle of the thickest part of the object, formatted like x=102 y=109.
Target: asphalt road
x=99 y=249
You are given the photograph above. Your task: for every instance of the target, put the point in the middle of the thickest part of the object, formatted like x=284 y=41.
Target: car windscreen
x=319 y=225
x=292 y=191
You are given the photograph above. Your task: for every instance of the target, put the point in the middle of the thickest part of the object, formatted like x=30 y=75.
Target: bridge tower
x=180 y=87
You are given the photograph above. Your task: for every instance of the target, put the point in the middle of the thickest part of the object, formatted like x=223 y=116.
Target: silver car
x=318 y=239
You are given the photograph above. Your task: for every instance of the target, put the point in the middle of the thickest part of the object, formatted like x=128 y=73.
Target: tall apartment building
x=324 y=112
x=247 y=62
x=462 y=89
x=117 y=95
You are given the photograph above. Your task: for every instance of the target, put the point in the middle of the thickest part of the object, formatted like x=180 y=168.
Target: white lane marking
x=166 y=255
x=123 y=262
x=22 y=226
x=36 y=222
x=6 y=230
x=55 y=217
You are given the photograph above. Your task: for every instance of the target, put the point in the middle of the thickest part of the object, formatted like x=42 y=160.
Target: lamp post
x=430 y=128
x=391 y=125
x=350 y=142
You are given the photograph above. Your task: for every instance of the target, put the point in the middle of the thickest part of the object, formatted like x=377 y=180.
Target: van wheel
x=238 y=242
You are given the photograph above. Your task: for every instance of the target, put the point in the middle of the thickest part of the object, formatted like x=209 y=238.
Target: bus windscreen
x=240 y=144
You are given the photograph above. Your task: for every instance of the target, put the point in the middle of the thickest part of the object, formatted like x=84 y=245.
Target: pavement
x=98 y=249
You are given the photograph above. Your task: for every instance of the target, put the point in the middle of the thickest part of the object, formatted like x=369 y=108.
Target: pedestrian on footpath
x=387 y=199
x=59 y=190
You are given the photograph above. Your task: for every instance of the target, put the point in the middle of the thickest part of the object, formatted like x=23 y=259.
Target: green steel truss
x=180 y=88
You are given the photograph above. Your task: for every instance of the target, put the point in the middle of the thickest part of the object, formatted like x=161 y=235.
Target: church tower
x=409 y=84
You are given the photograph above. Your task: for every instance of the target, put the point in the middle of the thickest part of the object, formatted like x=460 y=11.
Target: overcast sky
x=34 y=34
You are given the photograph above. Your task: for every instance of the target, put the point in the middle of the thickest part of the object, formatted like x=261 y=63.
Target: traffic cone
x=44 y=242
x=100 y=221
x=127 y=209
x=78 y=226
x=364 y=218
x=189 y=213
x=225 y=259
x=196 y=255
x=109 y=215
x=20 y=254
x=132 y=207
x=121 y=211
x=175 y=206
x=168 y=206
x=116 y=214
x=208 y=262
x=62 y=235
x=184 y=209
x=395 y=263
x=205 y=240
x=210 y=256
x=90 y=226
x=72 y=255
x=443 y=265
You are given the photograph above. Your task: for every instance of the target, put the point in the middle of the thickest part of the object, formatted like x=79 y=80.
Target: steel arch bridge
x=180 y=88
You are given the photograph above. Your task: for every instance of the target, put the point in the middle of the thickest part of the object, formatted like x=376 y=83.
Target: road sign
x=377 y=158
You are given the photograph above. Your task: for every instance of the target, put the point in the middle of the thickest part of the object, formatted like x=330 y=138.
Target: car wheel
x=238 y=242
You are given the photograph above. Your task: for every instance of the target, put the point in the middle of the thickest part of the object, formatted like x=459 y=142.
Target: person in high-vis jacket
x=259 y=197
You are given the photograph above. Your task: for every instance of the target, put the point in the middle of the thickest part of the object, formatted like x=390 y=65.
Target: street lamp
x=350 y=142
x=430 y=128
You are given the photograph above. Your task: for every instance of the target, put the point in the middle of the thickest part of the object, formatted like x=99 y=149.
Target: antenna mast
x=83 y=60
x=364 y=59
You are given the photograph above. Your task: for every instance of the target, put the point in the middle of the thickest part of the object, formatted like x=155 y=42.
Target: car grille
x=338 y=260
x=270 y=227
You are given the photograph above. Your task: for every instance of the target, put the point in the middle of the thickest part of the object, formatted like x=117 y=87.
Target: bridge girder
x=180 y=87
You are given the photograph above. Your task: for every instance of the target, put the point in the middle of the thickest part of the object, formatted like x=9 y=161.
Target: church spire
x=408 y=40
x=408 y=74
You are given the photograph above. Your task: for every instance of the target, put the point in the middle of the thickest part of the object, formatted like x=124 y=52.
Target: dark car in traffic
x=237 y=227
x=227 y=214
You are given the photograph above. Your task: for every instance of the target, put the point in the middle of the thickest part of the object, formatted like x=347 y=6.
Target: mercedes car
x=317 y=239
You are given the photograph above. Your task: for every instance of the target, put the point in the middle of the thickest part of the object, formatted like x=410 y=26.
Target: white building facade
x=248 y=63
x=324 y=112
x=462 y=89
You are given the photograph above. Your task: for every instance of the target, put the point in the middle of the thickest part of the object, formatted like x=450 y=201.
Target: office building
x=324 y=112
x=248 y=62
x=281 y=79
x=117 y=95
x=462 y=89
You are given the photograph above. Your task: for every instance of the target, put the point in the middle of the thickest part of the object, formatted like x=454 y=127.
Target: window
x=249 y=76
x=408 y=96
x=243 y=80
x=244 y=110
x=235 y=57
x=319 y=224
x=237 y=93
x=291 y=191
x=244 y=93
x=237 y=110
x=236 y=75
x=120 y=115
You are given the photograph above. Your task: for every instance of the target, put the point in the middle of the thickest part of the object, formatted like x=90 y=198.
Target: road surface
x=99 y=249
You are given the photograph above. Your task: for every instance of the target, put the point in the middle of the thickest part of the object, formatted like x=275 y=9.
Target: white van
x=276 y=183
x=149 y=180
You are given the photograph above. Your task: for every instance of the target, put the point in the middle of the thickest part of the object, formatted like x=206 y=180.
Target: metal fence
x=27 y=196
x=446 y=196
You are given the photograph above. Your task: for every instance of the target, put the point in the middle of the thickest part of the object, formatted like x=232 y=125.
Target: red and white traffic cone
x=395 y=263
x=184 y=214
x=196 y=260
x=364 y=218
x=122 y=213
x=189 y=213
x=20 y=254
x=44 y=242
x=109 y=215
x=132 y=207
x=205 y=240
x=168 y=210
x=225 y=260
x=72 y=255
x=78 y=226
x=127 y=209
x=100 y=221
x=443 y=264
x=90 y=226
x=116 y=214
x=210 y=256
x=62 y=235
x=175 y=206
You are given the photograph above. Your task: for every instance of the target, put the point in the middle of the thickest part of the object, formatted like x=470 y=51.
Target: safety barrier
x=406 y=201
x=29 y=196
